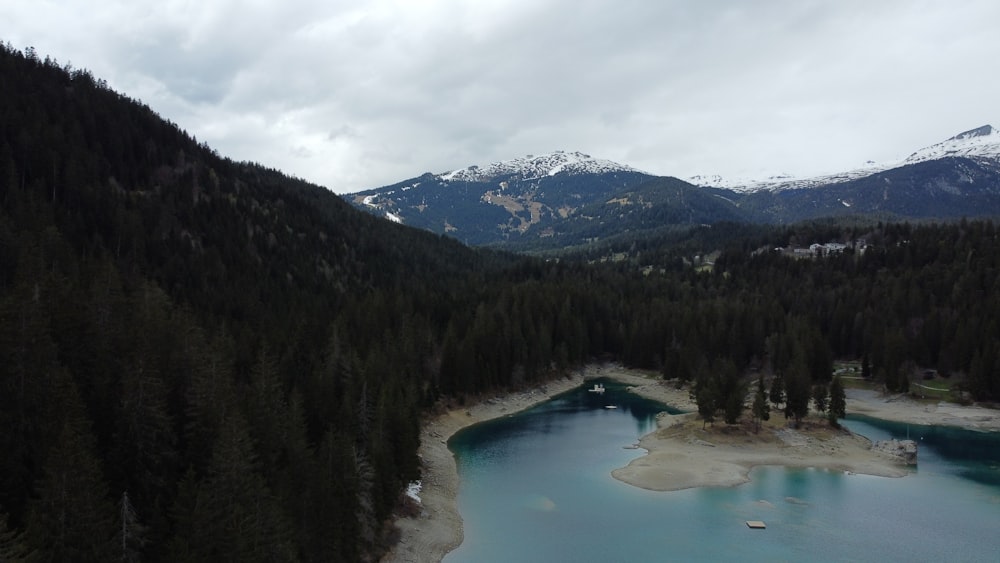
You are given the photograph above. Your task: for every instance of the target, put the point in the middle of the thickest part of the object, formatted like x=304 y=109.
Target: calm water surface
x=537 y=486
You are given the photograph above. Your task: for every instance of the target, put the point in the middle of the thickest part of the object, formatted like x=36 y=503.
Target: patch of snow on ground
x=413 y=490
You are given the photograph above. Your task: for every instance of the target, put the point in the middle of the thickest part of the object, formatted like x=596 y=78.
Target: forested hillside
x=204 y=360
x=237 y=356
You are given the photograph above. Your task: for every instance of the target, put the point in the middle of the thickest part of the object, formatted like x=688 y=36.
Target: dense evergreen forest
x=205 y=360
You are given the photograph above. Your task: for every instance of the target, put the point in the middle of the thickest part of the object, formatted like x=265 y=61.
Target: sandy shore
x=901 y=408
x=438 y=528
x=680 y=453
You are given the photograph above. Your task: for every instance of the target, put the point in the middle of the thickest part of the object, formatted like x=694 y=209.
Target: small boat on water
x=597 y=388
x=611 y=407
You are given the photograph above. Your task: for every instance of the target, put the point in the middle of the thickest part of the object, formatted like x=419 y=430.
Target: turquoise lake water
x=537 y=486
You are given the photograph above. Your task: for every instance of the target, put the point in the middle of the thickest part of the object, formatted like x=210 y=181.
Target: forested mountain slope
x=215 y=339
x=204 y=360
x=944 y=188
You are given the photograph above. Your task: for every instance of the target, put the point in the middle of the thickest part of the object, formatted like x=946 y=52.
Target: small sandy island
x=681 y=454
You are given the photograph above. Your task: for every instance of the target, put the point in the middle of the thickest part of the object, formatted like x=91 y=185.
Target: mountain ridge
x=565 y=199
x=532 y=167
x=502 y=201
x=982 y=143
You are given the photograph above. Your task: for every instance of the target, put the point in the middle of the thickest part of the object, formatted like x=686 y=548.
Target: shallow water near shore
x=537 y=486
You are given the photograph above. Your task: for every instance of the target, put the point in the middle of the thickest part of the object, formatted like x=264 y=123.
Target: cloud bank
x=354 y=95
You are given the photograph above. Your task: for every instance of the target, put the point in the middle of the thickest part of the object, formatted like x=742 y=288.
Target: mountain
x=566 y=199
x=958 y=177
x=500 y=202
x=981 y=144
x=556 y=199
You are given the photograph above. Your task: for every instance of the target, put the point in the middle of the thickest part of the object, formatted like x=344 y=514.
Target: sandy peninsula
x=680 y=453
x=684 y=453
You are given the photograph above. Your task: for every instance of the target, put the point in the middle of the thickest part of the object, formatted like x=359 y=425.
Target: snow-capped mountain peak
x=538 y=166
x=984 y=131
x=979 y=143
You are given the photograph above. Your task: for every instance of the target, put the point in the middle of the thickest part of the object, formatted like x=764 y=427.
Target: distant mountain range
x=981 y=143
x=570 y=198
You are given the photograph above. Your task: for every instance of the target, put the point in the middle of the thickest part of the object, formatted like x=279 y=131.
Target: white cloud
x=354 y=95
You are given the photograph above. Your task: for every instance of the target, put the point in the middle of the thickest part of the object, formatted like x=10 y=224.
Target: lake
x=537 y=486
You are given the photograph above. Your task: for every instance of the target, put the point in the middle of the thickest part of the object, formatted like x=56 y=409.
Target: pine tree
x=705 y=394
x=892 y=362
x=131 y=536
x=30 y=417
x=143 y=453
x=797 y=387
x=838 y=402
x=237 y=517
x=761 y=409
x=182 y=544
x=733 y=390
x=819 y=395
x=210 y=394
x=333 y=501
x=71 y=520
x=777 y=394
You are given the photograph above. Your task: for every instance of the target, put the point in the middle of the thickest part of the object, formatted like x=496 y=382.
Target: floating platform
x=756 y=524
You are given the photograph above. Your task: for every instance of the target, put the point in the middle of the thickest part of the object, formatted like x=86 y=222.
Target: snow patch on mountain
x=979 y=143
x=532 y=167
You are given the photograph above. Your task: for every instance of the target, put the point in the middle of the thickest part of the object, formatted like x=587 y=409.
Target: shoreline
x=676 y=453
x=902 y=408
x=437 y=530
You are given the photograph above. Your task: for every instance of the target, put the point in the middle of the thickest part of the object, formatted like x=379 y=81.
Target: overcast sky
x=359 y=94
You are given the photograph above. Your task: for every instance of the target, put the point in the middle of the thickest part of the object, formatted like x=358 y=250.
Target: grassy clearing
x=936 y=389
